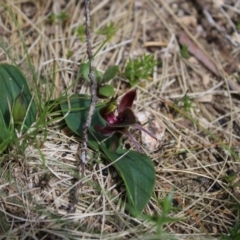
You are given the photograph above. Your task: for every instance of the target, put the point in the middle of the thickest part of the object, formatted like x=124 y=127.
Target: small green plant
x=69 y=54
x=234 y=233
x=80 y=31
x=17 y=107
x=187 y=103
x=108 y=31
x=184 y=103
x=56 y=18
x=104 y=90
x=230 y=177
x=161 y=220
x=139 y=69
x=184 y=51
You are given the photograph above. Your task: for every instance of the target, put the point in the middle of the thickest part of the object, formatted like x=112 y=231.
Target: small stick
x=82 y=154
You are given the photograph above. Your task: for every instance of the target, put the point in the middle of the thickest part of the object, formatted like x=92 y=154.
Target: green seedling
x=80 y=31
x=184 y=103
x=139 y=69
x=230 y=178
x=108 y=31
x=161 y=220
x=56 y=18
x=234 y=232
x=104 y=90
x=184 y=52
x=187 y=103
x=69 y=54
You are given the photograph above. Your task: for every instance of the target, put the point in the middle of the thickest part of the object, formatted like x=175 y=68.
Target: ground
x=193 y=94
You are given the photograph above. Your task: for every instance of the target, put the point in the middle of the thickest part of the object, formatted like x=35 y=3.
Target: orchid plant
x=18 y=108
x=124 y=119
x=114 y=120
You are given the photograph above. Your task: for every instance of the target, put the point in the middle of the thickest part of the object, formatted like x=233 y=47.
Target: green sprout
x=184 y=103
x=164 y=218
x=56 y=18
x=234 y=233
x=69 y=54
x=80 y=31
x=187 y=103
x=184 y=51
x=109 y=30
x=230 y=178
x=104 y=90
x=139 y=69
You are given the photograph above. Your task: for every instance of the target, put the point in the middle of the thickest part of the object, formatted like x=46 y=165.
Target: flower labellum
x=123 y=120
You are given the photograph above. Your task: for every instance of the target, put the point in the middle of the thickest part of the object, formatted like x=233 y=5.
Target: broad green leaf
x=76 y=109
x=106 y=91
x=110 y=73
x=138 y=174
x=13 y=84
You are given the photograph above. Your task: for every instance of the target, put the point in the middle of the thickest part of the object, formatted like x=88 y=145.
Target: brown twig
x=82 y=154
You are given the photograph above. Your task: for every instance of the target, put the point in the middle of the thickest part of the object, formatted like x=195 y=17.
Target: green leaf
x=16 y=103
x=166 y=204
x=76 y=109
x=6 y=135
x=139 y=69
x=106 y=91
x=110 y=73
x=19 y=109
x=13 y=84
x=184 y=51
x=138 y=174
x=84 y=71
x=109 y=30
x=80 y=30
x=98 y=75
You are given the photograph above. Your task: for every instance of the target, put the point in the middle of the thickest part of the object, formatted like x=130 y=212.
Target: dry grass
x=36 y=186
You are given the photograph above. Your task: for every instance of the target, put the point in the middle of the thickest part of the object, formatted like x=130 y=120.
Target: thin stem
x=82 y=154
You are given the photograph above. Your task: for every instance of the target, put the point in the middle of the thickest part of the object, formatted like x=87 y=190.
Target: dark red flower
x=124 y=118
